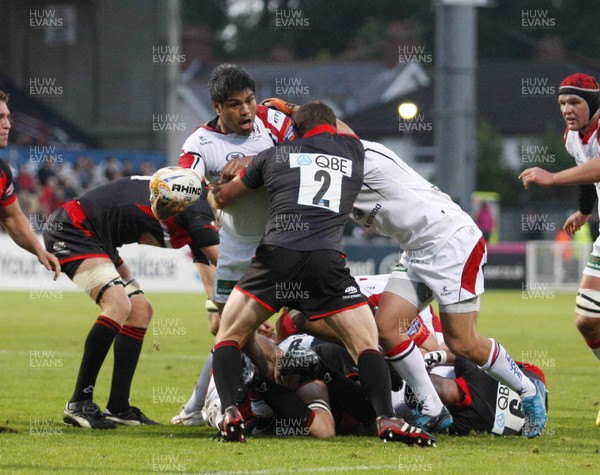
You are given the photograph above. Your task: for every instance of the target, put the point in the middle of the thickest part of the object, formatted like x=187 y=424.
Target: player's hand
x=536 y=175
x=233 y=167
x=164 y=210
x=267 y=330
x=50 y=262
x=434 y=358
x=288 y=108
x=574 y=222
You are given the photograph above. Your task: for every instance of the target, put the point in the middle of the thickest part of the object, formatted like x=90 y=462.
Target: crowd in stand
x=43 y=189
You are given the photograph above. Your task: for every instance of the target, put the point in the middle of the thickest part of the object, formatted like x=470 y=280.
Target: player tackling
x=303 y=267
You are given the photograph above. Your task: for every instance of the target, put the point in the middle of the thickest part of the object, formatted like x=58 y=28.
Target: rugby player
x=316 y=184
x=240 y=128
x=579 y=101
x=84 y=235
x=11 y=216
x=443 y=257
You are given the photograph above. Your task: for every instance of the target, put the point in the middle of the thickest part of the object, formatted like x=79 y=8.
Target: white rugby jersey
x=208 y=149
x=395 y=201
x=584 y=148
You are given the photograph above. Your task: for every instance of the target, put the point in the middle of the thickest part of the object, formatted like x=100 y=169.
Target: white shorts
x=234 y=260
x=453 y=274
x=592 y=267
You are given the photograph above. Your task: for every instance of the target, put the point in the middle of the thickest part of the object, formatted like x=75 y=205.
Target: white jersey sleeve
x=395 y=201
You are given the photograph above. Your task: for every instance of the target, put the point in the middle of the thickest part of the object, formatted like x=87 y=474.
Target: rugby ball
x=176 y=183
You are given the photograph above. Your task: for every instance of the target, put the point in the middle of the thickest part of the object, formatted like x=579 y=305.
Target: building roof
x=517 y=97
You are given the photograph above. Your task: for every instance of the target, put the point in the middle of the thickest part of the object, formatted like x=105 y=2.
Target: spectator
x=485 y=220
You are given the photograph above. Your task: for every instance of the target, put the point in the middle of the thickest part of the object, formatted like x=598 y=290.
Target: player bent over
x=84 y=234
x=302 y=266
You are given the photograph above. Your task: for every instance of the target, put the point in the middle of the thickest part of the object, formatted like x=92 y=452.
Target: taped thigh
x=133 y=288
x=105 y=275
x=587 y=303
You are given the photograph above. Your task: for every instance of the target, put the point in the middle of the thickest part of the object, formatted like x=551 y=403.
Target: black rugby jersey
x=120 y=212
x=7 y=189
x=312 y=183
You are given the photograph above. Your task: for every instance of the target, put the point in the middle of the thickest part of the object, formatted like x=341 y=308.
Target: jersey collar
x=320 y=129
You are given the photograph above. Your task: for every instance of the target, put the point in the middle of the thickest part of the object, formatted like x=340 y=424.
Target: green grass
x=42 y=340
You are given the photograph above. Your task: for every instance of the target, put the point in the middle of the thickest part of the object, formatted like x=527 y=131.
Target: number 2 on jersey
x=321 y=178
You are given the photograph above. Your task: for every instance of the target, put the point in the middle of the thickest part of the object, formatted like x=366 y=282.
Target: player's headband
x=583 y=86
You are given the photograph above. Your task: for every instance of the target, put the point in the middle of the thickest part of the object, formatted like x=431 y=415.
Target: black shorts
x=317 y=283
x=67 y=237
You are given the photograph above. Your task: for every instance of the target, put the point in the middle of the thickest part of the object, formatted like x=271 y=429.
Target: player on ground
x=240 y=129
x=579 y=100
x=300 y=263
x=84 y=235
x=11 y=217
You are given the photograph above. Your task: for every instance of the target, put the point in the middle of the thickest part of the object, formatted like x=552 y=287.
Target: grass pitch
x=42 y=340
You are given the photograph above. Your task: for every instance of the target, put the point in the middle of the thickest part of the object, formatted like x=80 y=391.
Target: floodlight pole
x=454 y=98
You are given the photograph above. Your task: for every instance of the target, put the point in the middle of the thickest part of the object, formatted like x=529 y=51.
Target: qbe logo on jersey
x=321 y=179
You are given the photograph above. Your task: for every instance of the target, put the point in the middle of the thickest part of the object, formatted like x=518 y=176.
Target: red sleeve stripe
x=9 y=201
x=468 y=399
x=278 y=134
x=188 y=159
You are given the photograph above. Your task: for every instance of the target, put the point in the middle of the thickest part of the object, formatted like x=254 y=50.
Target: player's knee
x=464 y=347
x=212 y=313
x=587 y=326
x=213 y=323
x=141 y=312
x=323 y=424
x=116 y=305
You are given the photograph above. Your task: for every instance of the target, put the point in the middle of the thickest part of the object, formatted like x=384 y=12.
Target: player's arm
x=289 y=109
x=223 y=194
x=586 y=173
x=18 y=228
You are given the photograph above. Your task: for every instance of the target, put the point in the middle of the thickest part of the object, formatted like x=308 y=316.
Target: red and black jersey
x=119 y=213
x=312 y=183
x=7 y=189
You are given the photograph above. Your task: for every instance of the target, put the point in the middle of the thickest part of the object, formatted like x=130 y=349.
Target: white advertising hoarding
x=156 y=269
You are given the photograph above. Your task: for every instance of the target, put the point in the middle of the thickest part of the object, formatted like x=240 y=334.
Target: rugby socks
x=503 y=368
x=409 y=364
x=196 y=401
x=96 y=348
x=227 y=371
x=127 y=349
x=375 y=379
x=291 y=410
x=595 y=347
